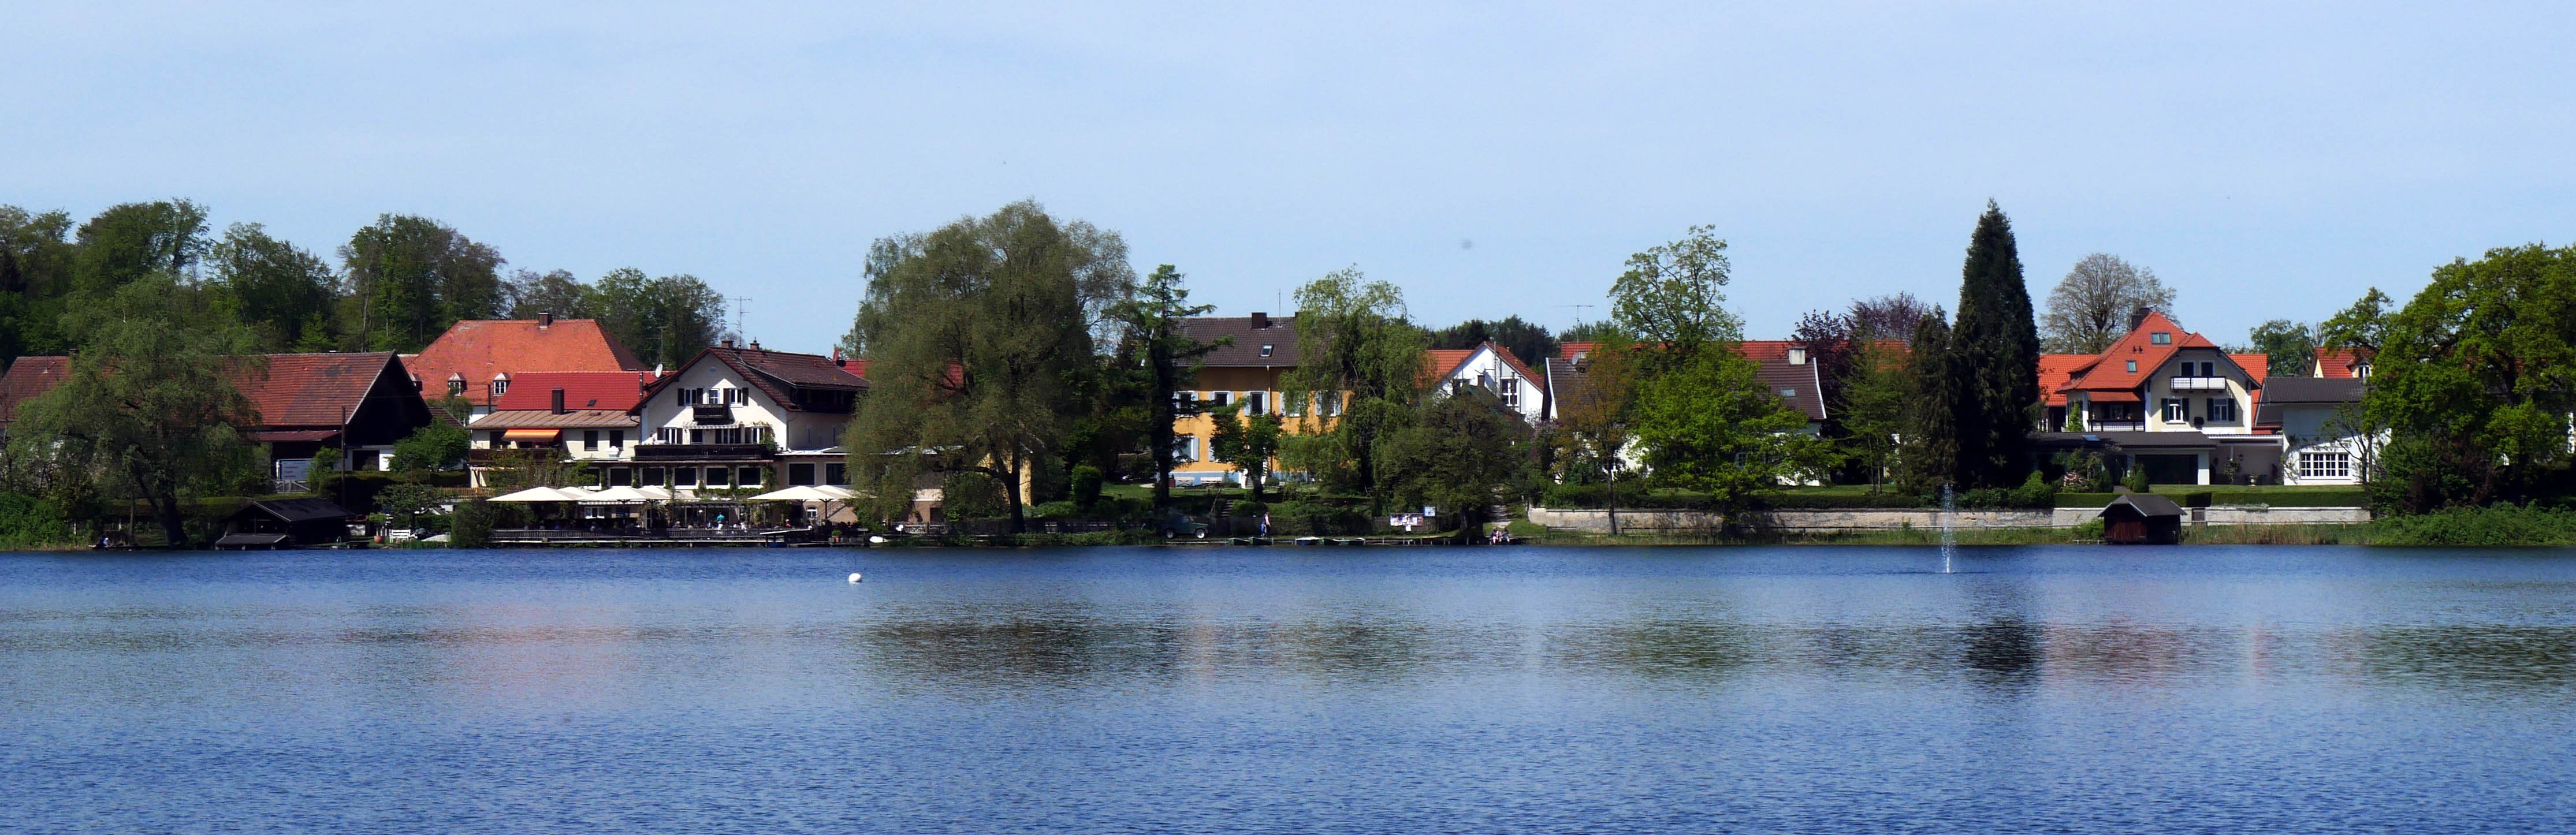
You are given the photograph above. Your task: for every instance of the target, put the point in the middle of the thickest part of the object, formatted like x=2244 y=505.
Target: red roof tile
x=2054 y=370
x=608 y=390
x=477 y=349
x=2110 y=371
x=29 y=378
x=2340 y=363
x=312 y=389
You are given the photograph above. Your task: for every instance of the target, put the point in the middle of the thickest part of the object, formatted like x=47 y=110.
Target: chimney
x=1260 y=320
x=2139 y=316
x=837 y=360
x=728 y=342
x=558 y=401
x=545 y=319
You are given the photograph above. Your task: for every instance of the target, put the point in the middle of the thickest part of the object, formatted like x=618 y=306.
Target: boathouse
x=2141 y=519
x=285 y=523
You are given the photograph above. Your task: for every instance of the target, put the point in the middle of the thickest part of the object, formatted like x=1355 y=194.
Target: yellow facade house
x=1250 y=371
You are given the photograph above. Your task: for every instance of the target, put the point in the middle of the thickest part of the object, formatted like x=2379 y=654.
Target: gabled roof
x=28 y=378
x=1249 y=334
x=1797 y=384
x=607 y=390
x=2110 y=370
x=1442 y=363
x=2054 y=371
x=2143 y=504
x=313 y=389
x=2340 y=363
x=296 y=510
x=547 y=419
x=775 y=373
x=476 y=349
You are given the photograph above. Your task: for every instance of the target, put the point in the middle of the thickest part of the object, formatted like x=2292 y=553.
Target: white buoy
x=876 y=540
x=854 y=576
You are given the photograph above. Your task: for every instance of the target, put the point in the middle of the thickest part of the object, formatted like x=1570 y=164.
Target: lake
x=1815 y=689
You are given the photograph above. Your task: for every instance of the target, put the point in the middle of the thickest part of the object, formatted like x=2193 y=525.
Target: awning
x=542 y=436
x=2112 y=396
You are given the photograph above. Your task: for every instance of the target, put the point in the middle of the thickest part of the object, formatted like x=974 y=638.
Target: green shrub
x=2087 y=529
x=2137 y=479
x=2479 y=526
x=1055 y=510
x=971 y=495
x=1248 y=509
x=1316 y=519
x=2355 y=497
x=472 y=525
x=1086 y=486
x=1794 y=500
x=29 y=522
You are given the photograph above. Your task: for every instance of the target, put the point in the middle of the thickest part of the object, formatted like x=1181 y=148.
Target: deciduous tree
x=1361 y=361
x=411 y=277
x=2091 y=306
x=2477 y=376
x=274 y=287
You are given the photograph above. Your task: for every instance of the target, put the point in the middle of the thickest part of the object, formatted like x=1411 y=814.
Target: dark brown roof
x=2144 y=504
x=1249 y=334
x=777 y=373
x=1569 y=386
x=1796 y=384
x=2306 y=391
x=28 y=378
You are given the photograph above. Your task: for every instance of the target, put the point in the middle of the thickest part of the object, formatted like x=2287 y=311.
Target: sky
x=1491 y=159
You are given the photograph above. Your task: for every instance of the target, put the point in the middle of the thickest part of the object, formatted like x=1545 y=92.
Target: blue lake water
x=1817 y=689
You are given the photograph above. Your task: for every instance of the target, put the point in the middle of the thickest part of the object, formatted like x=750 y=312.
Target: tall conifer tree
x=1995 y=350
x=1931 y=453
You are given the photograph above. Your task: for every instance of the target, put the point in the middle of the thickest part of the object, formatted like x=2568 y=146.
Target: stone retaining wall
x=1598 y=521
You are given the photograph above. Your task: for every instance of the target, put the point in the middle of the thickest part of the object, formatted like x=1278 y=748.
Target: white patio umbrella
x=535 y=494
x=659 y=494
x=617 y=495
x=800 y=494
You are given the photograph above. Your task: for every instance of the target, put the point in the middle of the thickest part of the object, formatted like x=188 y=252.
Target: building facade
x=741 y=418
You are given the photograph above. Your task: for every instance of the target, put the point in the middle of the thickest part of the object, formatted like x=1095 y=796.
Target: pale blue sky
x=2269 y=161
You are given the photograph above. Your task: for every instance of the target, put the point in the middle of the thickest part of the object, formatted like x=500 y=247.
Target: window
x=2133 y=366
x=616 y=439
x=656 y=477
x=747 y=477
x=1328 y=403
x=1256 y=402
x=496 y=440
x=2160 y=338
x=1265 y=349
x=2322 y=464
x=836 y=473
x=1185 y=403
x=697 y=436
x=1511 y=392
x=1185 y=448
x=590 y=439
x=500 y=385
x=1220 y=398
x=1484 y=381
x=666 y=435
x=2222 y=410
x=2177 y=410
x=800 y=475
x=456 y=388
x=684 y=476
x=719 y=477
x=737 y=397
x=2209 y=369
x=1292 y=406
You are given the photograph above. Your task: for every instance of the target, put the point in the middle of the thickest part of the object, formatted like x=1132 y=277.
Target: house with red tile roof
x=357 y=403
x=581 y=415
x=1495 y=369
x=480 y=359
x=736 y=417
x=2164 y=398
x=2342 y=363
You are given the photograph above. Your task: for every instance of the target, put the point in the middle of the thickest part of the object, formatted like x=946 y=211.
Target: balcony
x=701 y=452
x=711 y=415
x=2198 y=384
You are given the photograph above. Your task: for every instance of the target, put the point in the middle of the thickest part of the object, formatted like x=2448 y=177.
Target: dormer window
x=2160 y=338
x=1265 y=350
x=500 y=384
x=1797 y=356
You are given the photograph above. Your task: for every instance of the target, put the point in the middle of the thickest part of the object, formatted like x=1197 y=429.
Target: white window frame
x=1256 y=402
x=2325 y=463
x=1510 y=391
x=2177 y=406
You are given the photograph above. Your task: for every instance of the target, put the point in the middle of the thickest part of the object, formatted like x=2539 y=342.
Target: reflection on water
x=1243 y=669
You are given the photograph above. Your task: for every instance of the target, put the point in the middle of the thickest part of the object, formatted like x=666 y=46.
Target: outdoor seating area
x=623 y=515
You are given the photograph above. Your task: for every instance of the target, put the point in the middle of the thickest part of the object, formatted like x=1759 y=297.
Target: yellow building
x=1249 y=371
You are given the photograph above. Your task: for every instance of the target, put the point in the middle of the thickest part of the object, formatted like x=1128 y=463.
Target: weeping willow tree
x=980 y=341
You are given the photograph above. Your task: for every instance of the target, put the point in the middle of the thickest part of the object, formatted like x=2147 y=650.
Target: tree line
x=394 y=285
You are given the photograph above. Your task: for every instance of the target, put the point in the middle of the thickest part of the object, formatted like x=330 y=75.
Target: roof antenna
x=740 y=302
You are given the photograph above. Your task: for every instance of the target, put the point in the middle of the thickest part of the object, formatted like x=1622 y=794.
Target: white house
x=1494 y=369
x=745 y=417
x=2318 y=420
x=580 y=415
